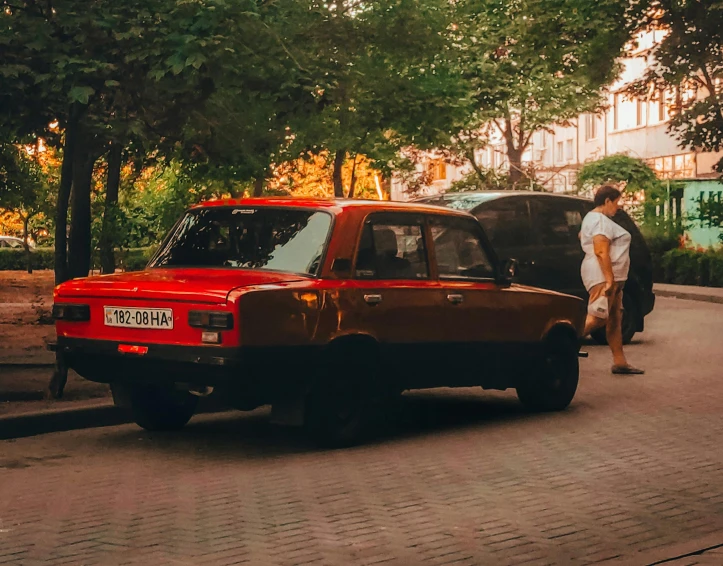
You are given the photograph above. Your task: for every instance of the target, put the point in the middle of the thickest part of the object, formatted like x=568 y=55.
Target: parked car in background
x=14 y=243
x=324 y=309
x=541 y=231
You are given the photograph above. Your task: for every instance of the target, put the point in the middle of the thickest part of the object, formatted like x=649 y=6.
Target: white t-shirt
x=597 y=224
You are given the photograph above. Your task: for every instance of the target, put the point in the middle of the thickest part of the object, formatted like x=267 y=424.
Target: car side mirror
x=341 y=267
x=508 y=271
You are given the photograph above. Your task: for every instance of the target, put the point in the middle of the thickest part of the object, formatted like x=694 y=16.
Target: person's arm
x=601 y=245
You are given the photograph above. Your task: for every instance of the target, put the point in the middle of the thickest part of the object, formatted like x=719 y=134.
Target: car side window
x=506 y=222
x=459 y=250
x=558 y=223
x=392 y=250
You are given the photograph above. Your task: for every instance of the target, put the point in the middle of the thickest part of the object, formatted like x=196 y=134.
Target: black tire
x=157 y=408
x=553 y=387
x=630 y=323
x=341 y=403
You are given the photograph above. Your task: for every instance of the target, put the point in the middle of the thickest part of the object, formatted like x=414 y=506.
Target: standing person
x=605 y=270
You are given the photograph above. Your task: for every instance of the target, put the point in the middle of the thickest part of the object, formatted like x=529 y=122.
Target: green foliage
x=693 y=267
x=16 y=259
x=689 y=61
x=616 y=169
x=43 y=258
x=23 y=187
x=482 y=180
x=531 y=64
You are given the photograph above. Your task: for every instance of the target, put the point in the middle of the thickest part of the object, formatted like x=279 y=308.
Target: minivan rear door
x=508 y=225
x=558 y=254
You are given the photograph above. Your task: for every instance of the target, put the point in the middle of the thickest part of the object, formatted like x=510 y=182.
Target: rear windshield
x=277 y=239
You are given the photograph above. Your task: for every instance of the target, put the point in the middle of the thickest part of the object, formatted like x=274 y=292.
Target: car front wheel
x=553 y=386
x=158 y=408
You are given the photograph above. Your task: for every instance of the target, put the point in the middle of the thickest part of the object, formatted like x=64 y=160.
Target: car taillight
x=72 y=313
x=210 y=320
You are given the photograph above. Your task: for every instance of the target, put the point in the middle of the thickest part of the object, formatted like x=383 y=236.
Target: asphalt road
x=632 y=473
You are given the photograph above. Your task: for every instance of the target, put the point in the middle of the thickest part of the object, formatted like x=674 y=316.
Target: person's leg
x=614 y=329
x=592 y=323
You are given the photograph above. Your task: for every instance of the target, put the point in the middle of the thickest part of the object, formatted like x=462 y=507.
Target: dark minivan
x=540 y=231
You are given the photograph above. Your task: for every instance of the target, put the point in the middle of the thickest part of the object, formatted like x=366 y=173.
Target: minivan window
x=558 y=221
x=506 y=222
x=278 y=239
x=459 y=250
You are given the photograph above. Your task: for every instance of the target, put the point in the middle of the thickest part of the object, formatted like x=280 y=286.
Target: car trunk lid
x=209 y=286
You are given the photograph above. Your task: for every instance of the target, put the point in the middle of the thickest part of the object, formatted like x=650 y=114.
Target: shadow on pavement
x=251 y=435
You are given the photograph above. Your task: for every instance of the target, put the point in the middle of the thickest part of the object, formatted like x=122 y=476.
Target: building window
x=674 y=166
x=560 y=151
x=569 y=150
x=639 y=111
x=543 y=140
x=437 y=170
x=590 y=127
x=662 y=106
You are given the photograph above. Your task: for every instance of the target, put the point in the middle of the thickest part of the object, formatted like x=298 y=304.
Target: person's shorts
x=615 y=300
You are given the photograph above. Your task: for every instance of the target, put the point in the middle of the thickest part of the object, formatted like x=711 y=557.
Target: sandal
x=627 y=370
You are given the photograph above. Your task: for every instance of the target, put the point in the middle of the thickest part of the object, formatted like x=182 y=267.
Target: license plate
x=127 y=317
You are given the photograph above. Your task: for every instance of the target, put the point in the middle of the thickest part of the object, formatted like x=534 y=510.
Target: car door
x=558 y=257
x=394 y=296
x=484 y=322
x=508 y=226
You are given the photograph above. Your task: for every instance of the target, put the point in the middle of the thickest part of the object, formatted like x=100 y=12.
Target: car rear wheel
x=553 y=387
x=629 y=325
x=158 y=408
x=340 y=405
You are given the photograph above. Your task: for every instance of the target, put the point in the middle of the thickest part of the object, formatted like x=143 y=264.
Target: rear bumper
x=101 y=361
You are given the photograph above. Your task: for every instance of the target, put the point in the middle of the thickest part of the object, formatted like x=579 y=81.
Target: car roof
x=334 y=205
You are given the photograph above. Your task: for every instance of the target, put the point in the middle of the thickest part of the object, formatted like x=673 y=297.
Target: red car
x=323 y=309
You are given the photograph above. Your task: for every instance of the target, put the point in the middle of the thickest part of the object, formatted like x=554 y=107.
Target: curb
x=668 y=554
x=689 y=296
x=91 y=415
x=26 y=365
x=61 y=420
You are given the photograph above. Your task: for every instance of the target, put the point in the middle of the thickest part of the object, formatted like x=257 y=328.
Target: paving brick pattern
x=465 y=477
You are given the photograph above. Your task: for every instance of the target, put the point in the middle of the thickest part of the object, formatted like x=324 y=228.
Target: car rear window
x=277 y=239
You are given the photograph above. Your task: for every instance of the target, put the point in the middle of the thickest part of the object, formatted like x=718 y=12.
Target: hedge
x=44 y=258
x=693 y=267
x=16 y=260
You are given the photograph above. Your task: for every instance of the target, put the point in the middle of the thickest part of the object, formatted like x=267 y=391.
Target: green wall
x=703 y=232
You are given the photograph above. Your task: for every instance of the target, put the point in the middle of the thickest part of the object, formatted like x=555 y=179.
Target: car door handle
x=455 y=298
x=372 y=299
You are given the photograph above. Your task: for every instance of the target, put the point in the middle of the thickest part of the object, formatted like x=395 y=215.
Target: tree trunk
x=259 y=185
x=61 y=209
x=79 y=244
x=107 y=242
x=28 y=257
x=514 y=157
x=352 y=182
x=339 y=158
